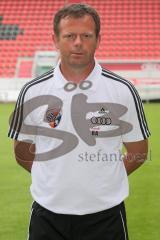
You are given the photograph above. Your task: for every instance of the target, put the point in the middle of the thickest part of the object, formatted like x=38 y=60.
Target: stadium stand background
x=130 y=42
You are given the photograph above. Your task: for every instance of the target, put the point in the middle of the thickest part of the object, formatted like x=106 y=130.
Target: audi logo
x=101 y=120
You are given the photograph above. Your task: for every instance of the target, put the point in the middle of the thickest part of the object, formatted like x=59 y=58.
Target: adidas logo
x=103 y=110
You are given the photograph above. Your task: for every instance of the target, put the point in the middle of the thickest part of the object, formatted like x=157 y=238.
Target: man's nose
x=78 y=40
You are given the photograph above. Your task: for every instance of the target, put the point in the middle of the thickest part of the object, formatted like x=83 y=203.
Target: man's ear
x=98 y=41
x=55 y=40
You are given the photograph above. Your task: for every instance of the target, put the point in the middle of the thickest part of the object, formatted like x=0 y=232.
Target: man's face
x=77 y=41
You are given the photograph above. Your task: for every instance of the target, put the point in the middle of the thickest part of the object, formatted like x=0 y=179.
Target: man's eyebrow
x=79 y=33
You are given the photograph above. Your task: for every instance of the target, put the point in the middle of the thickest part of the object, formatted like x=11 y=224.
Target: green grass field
x=143 y=205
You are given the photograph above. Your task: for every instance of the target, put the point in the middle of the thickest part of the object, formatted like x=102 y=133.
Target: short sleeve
x=136 y=117
x=21 y=122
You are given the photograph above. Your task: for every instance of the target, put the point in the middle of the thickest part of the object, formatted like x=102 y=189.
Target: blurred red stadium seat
x=130 y=29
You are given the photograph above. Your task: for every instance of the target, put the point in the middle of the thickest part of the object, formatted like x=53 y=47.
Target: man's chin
x=78 y=64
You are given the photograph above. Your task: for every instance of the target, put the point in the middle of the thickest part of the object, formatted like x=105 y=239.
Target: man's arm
x=136 y=155
x=24 y=154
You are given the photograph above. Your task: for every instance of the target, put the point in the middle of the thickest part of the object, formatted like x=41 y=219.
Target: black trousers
x=105 y=225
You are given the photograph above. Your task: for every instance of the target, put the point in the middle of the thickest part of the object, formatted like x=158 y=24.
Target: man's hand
x=24 y=154
x=136 y=155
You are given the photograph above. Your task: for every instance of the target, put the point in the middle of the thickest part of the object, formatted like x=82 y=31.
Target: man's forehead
x=74 y=17
x=71 y=21
x=71 y=18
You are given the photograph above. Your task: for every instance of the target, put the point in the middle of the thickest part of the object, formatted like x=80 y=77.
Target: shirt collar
x=93 y=77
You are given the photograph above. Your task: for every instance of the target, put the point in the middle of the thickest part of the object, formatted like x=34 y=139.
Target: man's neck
x=76 y=74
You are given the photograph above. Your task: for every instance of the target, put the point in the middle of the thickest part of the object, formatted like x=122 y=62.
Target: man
x=78 y=116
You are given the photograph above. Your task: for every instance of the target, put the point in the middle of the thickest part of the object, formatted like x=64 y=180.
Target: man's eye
x=68 y=36
x=87 y=35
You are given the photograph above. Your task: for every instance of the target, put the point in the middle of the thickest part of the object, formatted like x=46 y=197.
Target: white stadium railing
x=145 y=75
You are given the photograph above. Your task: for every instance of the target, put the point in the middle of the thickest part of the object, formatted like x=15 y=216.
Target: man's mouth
x=77 y=53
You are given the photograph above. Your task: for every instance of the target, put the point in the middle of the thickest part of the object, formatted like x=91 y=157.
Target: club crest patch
x=53 y=117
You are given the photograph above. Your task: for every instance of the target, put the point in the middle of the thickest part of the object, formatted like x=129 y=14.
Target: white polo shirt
x=79 y=130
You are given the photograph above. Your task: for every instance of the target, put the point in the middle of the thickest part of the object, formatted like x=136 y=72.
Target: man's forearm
x=136 y=155
x=133 y=162
x=24 y=154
